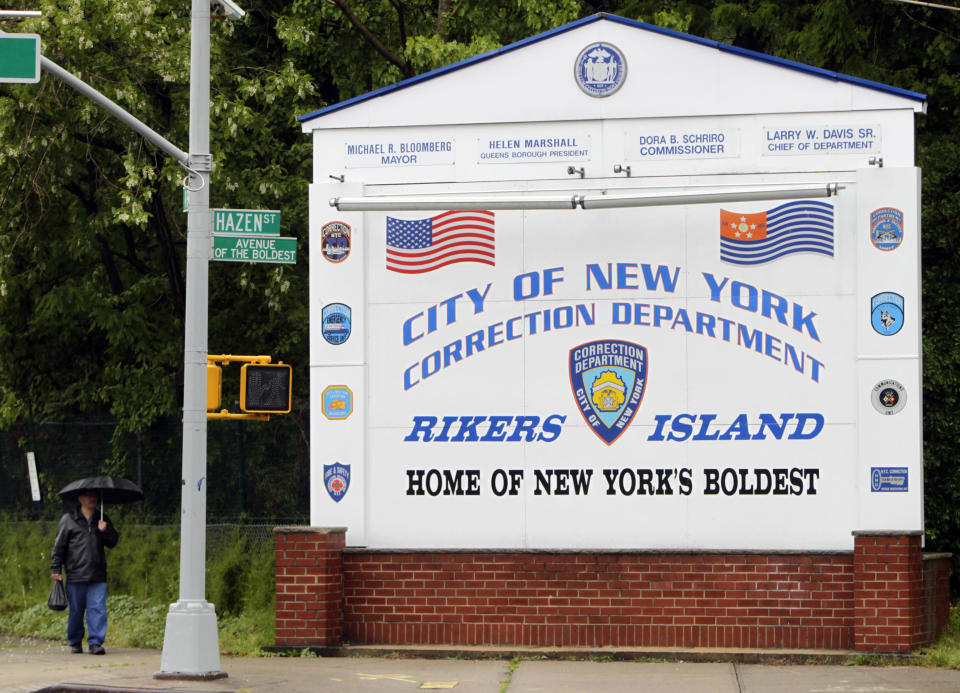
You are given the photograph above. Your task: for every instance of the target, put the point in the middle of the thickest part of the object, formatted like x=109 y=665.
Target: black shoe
x=97 y=649
x=76 y=649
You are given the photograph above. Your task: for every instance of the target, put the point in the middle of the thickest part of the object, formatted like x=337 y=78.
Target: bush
x=25 y=569
x=143 y=580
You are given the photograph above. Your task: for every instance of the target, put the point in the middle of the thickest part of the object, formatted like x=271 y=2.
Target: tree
x=92 y=240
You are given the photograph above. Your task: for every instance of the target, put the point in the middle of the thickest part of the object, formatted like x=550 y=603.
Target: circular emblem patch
x=888 y=397
x=600 y=69
x=886 y=313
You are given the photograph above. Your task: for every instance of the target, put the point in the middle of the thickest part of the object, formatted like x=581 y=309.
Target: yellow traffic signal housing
x=214 y=386
x=266 y=388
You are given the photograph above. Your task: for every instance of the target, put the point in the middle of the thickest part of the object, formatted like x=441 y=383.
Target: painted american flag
x=415 y=246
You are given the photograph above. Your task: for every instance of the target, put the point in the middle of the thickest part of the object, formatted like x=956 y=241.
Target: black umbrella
x=109 y=489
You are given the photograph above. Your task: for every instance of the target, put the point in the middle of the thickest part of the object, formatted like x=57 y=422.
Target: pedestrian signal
x=214 y=386
x=265 y=388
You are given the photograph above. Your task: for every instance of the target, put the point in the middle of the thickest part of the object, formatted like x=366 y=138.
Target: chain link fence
x=257 y=472
x=258 y=537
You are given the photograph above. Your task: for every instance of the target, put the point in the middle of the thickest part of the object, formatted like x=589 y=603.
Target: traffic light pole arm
x=232 y=358
x=115 y=110
x=226 y=415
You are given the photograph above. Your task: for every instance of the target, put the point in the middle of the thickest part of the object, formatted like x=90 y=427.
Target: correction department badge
x=335 y=322
x=886 y=313
x=889 y=397
x=600 y=69
x=336 y=479
x=336 y=241
x=608 y=378
x=886 y=228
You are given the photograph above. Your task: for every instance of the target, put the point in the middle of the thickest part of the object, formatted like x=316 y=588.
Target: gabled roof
x=919 y=100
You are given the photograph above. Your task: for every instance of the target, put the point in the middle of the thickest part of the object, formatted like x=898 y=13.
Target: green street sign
x=19 y=58
x=255 y=249
x=236 y=221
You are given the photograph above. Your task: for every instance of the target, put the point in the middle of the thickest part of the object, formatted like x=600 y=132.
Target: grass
x=514 y=665
x=143 y=580
x=945 y=652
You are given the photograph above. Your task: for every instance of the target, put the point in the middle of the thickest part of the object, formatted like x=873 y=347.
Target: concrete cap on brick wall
x=937 y=556
x=887 y=533
x=304 y=529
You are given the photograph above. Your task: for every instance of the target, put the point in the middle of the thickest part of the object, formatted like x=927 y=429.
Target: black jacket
x=78 y=547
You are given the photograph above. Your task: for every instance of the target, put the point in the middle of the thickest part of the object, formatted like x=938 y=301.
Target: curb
x=697 y=655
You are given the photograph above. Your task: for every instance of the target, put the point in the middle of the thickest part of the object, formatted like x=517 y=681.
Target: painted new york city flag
x=802 y=226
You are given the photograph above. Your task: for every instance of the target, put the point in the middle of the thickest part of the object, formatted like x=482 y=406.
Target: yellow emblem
x=608 y=392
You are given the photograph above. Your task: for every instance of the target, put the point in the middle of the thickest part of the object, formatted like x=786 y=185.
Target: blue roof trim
x=726 y=48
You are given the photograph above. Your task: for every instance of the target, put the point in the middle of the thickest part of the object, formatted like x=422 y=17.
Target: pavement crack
x=514 y=665
x=737 y=676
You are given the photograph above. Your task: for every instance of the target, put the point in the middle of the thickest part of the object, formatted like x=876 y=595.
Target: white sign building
x=616 y=287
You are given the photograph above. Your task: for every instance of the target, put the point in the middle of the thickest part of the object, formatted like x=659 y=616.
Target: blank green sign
x=19 y=58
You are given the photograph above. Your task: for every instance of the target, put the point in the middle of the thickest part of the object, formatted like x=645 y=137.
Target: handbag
x=58 y=596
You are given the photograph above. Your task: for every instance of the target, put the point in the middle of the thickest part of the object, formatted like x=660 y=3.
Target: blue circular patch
x=600 y=69
x=886 y=313
x=335 y=322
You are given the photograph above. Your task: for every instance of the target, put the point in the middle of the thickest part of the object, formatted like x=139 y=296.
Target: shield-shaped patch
x=608 y=378
x=336 y=479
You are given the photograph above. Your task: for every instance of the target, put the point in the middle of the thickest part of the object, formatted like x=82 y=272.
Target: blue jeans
x=89 y=598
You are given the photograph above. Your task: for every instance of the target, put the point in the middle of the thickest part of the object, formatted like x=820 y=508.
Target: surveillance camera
x=226 y=8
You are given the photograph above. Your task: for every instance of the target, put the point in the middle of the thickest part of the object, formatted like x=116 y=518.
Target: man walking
x=81 y=536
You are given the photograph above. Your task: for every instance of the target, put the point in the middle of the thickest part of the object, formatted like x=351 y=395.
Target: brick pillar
x=309 y=574
x=887 y=591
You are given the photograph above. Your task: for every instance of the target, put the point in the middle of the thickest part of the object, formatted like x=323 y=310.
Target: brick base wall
x=879 y=597
x=591 y=599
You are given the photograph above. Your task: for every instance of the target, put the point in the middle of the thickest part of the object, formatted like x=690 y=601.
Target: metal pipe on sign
x=584 y=200
x=595 y=201
x=434 y=202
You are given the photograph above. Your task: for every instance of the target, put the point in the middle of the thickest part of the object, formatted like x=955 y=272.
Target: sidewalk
x=28 y=666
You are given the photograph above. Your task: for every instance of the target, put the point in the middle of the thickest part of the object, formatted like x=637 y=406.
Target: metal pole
x=113 y=109
x=190 y=645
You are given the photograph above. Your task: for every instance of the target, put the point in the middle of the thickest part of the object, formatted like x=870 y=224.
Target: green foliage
x=946 y=651
x=145 y=563
x=92 y=241
x=25 y=568
x=143 y=580
x=246 y=633
x=235 y=579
